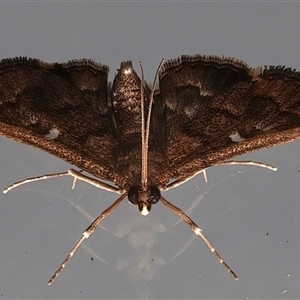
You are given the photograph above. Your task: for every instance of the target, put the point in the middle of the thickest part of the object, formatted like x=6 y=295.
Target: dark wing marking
x=59 y=108
x=219 y=108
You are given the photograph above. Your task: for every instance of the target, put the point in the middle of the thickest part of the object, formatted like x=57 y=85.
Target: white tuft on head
x=127 y=71
x=145 y=210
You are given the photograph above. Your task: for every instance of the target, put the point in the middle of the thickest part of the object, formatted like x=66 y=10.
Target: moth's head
x=143 y=199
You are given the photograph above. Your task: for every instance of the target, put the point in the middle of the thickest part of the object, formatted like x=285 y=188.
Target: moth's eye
x=154 y=195
x=133 y=195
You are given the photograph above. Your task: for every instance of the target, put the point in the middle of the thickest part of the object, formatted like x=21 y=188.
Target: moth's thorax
x=126 y=104
x=130 y=162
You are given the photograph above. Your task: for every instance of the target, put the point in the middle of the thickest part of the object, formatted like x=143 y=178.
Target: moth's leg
x=249 y=163
x=97 y=183
x=86 y=234
x=195 y=228
x=180 y=181
x=75 y=174
x=28 y=180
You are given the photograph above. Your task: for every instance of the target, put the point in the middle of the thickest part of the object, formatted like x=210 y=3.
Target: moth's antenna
x=144 y=168
x=146 y=126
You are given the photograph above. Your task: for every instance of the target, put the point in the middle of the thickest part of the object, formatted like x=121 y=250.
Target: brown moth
x=200 y=112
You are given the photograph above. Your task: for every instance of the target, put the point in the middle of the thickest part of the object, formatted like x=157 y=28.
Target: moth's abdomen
x=126 y=105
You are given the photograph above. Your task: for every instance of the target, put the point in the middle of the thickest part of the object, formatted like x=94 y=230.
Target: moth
x=200 y=112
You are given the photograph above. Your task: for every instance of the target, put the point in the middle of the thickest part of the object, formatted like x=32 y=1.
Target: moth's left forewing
x=59 y=108
x=219 y=108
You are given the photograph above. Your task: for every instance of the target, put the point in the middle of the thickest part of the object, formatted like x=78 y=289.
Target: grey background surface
x=251 y=215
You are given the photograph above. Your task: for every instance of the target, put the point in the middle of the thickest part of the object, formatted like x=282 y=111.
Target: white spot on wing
x=53 y=134
x=236 y=137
